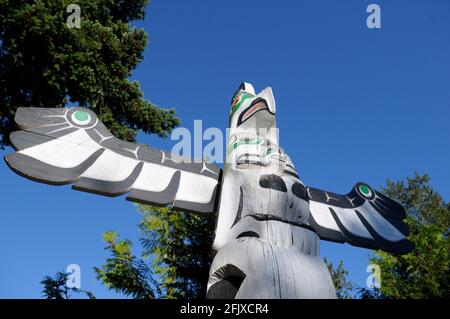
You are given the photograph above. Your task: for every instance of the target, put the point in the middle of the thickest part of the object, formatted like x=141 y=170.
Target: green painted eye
x=365 y=190
x=81 y=117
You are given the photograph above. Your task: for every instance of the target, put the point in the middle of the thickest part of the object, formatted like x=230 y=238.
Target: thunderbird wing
x=363 y=217
x=61 y=146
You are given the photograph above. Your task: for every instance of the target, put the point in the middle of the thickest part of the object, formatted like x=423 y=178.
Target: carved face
x=260 y=183
x=266 y=195
x=253 y=113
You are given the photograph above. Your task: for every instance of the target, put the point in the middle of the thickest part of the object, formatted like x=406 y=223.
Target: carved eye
x=81 y=117
x=256 y=106
x=365 y=191
x=300 y=191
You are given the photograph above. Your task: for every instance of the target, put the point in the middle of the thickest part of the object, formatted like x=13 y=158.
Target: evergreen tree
x=46 y=63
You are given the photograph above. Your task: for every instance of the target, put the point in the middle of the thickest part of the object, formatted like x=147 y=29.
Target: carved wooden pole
x=269 y=223
x=265 y=248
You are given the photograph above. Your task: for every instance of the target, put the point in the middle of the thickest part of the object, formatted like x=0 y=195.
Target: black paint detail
x=268 y=217
x=201 y=208
x=38 y=171
x=403 y=246
x=163 y=198
x=230 y=280
x=354 y=198
x=189 y=165
x=24 y=139
x=389 y=207
x=124 y=148
x=72 y=110
x=225 y=289
x=248 y=234
x=150 y=154
x=108 y=188
x=240 y=207
x=384 y=205
x=33 y=117
x=219 y=191
x=300 y=191
x=37 y=120
x=239 y=89
x=256 y=101
x=320 y=196
x=99 y=133
x=55 y=132
x=274 y=182
x=291 y=173
x=245 y=159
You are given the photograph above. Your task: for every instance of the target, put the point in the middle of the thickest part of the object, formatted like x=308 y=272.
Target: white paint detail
x=330 y=197
x=75 y=120
x=66 y=152
x=350 y=200
x=322 y=215
x=102 y=138
x=111 y=167
x=59 y=130
x=134 y=152
x=205 y=168
x=195 y=188
x=154 y=177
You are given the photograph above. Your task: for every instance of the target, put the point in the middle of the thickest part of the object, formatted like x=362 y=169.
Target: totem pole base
x=251 y=268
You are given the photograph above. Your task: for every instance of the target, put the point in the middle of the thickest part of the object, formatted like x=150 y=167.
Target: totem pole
x=269 y=224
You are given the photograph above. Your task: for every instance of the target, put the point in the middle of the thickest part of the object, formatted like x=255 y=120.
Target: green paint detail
x=244 y=97
x=364 y=189
x=255 y=141
x=81 y=116
x=267 y=152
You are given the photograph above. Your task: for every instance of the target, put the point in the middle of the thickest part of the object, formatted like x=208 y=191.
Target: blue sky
x=353 y=104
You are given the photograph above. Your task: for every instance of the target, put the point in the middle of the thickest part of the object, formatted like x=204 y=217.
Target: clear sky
x=353 y=104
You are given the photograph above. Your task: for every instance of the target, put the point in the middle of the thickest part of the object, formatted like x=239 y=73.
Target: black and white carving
x=71 y=146
x=363 y=217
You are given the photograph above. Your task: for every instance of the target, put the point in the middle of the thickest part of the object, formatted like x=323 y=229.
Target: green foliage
x=44 y=63
x=425 y=272
x=180 y=244
x=373 y=293
x=125 y=273
x=339 y=275
x=56 y=288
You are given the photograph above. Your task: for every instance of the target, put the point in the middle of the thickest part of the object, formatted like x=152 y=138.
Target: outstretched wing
x=71 y=145
x=363 y=217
